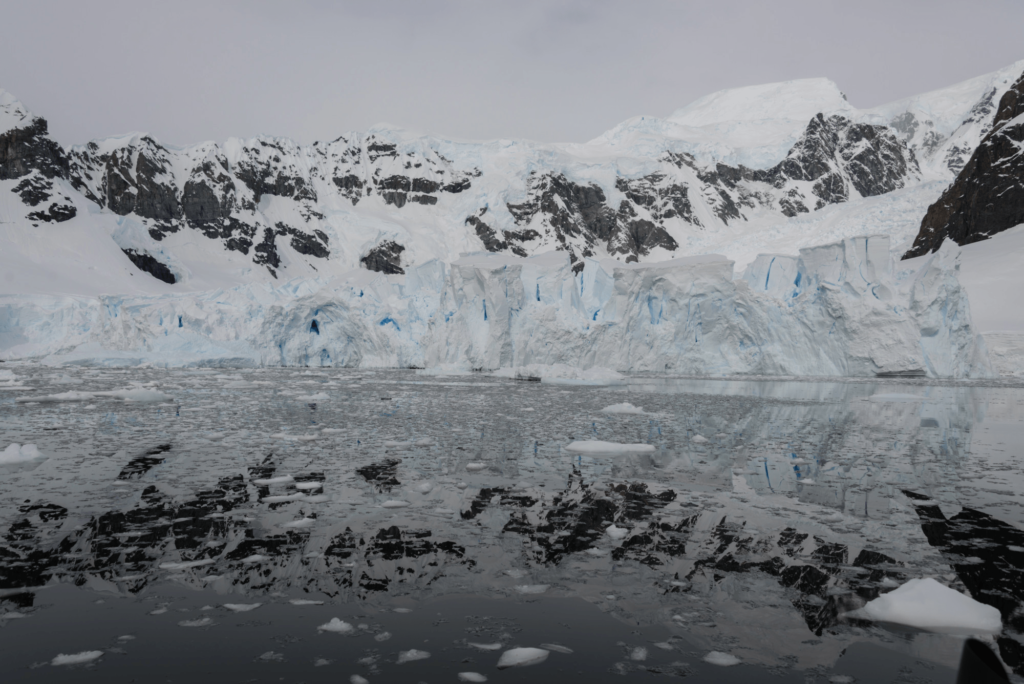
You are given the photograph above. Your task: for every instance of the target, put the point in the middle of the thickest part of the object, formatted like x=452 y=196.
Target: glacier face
x=835 y=310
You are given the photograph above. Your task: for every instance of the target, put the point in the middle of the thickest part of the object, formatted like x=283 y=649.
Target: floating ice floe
x=474 y=467
x=532 y=588
x=424 y=487
x=471 y=677
x=558 y=648
x=20 y=453
x=242 y=607
x=699 y=439
x=597 y=447
x=638 y=654
x=616 y=532
x=624 y=408
x=305 y=602
x=336 y=626
x=300 y=524
x=382 y=636
x=485 y=647
x=394 y=503
x=254 y=558
x=282 y=498
x=929 y=605
x=282 y=479
x=521 y=657
x=201 y=622
x=896 y=398
x=357 y=679
x=319 y=396
x=308 y=486
x=76 y=658
x=722 y=659
x=411 y=655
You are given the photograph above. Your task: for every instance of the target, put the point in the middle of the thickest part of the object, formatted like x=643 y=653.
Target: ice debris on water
x=357 y=679
x=411 y=655
x=532 y=588
x=607 y=448
x=521 y=657
x=616 y=532
x=558 y=648
x=699 y=439
x=638 y=653
x=485 y=647
x=425 y=487
x=18 y=453
x=76 y=658
x=242 y=607
x=305 y=602
x=473 y=467
x=394 y=503
x=282 y=479
x=722 y=659
x=471 y=677
x=624 y=408
x=300 y=524
x=201 y=622
x=337 y=626
x=382 y=636
x=928 y=604
x=271 y=657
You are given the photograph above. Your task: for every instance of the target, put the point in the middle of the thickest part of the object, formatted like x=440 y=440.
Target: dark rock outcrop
x=27 y=149
x=385 y=258
x=146 y=262
x=987 y=196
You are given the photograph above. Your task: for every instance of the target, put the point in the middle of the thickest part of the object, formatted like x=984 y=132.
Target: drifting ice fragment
x=356 y=679
x=412 y=654
x=699 y=439
x=473 y=467
x=471 y=677
x=283 y=479
x=16 y=453
x=485 y=647
x=394 y=504
x=305 y=602
x=927 y=604
x=624 y=407
x=723 y=659
x=521 y=657
x=76 y=658
x=616 y=532
x=425 y=487
x=186 y=565
x=382 y=636
x=202 y=622
x=532 y=588
x=558 y=648
x=337 y=626
x=242 y=607
x=638 y=654
x=308 y=485
x=602 y=448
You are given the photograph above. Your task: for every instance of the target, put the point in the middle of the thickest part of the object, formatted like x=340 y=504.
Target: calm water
x=443 y=514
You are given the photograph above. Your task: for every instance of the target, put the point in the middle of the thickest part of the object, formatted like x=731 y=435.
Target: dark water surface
x=434 y=513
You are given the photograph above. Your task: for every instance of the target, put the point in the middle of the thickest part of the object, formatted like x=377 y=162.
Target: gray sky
x=562 y=70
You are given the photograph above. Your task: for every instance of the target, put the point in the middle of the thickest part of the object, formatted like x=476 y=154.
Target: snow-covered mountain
x=351 y=251
x=730 y=165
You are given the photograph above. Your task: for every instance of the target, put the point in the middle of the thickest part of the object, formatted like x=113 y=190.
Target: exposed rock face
x=988 y=195
x=385 y=258
x=146 y=262
x=27 y=152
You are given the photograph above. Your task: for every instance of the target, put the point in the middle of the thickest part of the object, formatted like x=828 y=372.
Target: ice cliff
x=835 y=310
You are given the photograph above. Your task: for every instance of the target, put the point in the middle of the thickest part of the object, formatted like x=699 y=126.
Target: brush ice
x=521 y=657
x=411 y=655
x=76 y=658
x=598 y=447
x=336 y=625
x=722 y=659
x=927 y=604
x=624 y=407
x=283 y=479
x=242 y=607
x=300 y=524
x=19 y=453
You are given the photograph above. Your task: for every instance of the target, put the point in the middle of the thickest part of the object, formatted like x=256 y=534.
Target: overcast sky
x=553 y=71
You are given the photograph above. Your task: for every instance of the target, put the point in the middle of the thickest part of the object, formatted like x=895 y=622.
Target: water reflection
x=767 y=512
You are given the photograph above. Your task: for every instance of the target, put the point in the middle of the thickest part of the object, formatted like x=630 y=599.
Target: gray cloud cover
x=552 y=71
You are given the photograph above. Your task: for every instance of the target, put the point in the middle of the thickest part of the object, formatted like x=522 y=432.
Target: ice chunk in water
x=17 y=453
x=305 y=602
x=616 y=532
x=532 y=588
x=382 y=636
x=76 y=658
x=604 y=448
x=300 y=524
x=558 y=648
x=337 y=626
x=202 y=622
x=521 y=657
x=723 y=659
x=425 y=487
x=485 y=647
x=638 y=654
x=242 y=607
x=394 y=504
x=283 y=479
x=624 y=407
x=412 y=654
x=356 y=679
x=474 y=467
x=471 y=677
x=309 y=485
x=927 y=604
x=699 y=439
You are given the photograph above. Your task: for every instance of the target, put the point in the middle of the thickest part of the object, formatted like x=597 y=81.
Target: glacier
x=842 y=309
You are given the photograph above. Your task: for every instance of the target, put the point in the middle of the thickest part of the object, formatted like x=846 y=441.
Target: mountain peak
x=796 y=100
x=13 y=113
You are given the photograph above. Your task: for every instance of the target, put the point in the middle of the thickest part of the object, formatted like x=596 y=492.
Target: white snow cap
x=927 y=604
